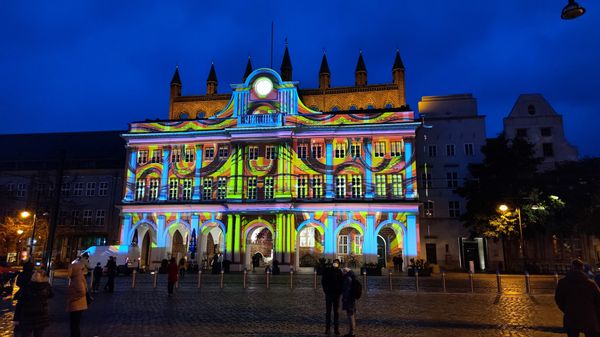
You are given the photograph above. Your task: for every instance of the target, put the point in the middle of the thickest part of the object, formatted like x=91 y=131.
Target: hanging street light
x=572 y=11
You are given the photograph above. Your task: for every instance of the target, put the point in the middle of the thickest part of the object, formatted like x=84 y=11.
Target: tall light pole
x=503 y=208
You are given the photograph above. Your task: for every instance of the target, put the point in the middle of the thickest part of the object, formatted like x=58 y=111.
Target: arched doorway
x=390 y=244
x=309 y=247
x=178 y=248
x=212 y=241
x=349 y=248
x=259 y=240
x=146 y=250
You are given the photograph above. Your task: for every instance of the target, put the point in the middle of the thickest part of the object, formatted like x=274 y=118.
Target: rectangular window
x=343 y=244
x=90 y=190
x=302 y=151
x=317 y=187
x=357 y=245
x=252 y=188
x=78 y=190
x=270 y=152
x=156 y=156
x=222 y=188
x=396 y=181
x=380 y=185
x=252 y=152
x=173 y=189
x=355 y=150
x=317 y=151
x=453 y=209
x=469 y=149
x=432 y=151
x=223 y=151
x=51 y=190
x=75 y=215
x=142 y=157
x=450 y=150
x=187 y=189
x=428 y=208
x=426 y=180
x=340 y=186
x=269 y=185
x=175 y=154
x=209 y=153
x=521 y=132
x=153 y=191
x=307 y=237
x=379 y=149
x=340 y=150
x=22 y=190
x=452 y=179
x=103 y=189
x=548 y=149
x=140 y=188
x=302 y=187
x=356 y=186
x=87 y=217
x=189 y=154
x=396 y=149
x=100 y=215
x=207 y=185
x=546 y=132
x=65 y=189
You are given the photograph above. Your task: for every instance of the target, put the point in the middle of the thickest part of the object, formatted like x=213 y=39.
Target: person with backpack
x=33 y=317
x=332 y=287
x=351 y=291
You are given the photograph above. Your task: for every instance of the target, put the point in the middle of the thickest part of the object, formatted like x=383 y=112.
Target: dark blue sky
x=97 y=65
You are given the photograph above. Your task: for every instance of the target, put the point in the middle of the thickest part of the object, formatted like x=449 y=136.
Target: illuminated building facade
x=266 y=175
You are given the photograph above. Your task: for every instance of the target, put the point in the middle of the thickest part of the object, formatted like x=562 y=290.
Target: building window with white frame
x=356 y=186
x=65 y=189
x=223 y=151
x=140 y=189
x=452 y=179
x=78 y=190
x=396 y=181
x=379 y=149
x=100 y=215
x=209 y=153
x=90 y=190
x=340 y=150
x=207 y=187
x=450 y=150
x=317 y=151
x=307 y=237
x=426 y=180
x=269 y=187
x=173 y=189
x=175 y=154
x=22 y=190
x=252 y=188
x=343 y=245
x=156 y=156
x=428 y=208
x=396 y=149
x=302 y=187
x=355 y=150
x=75 y=214
x=317 y=186
x=270 y=152
x=222 y=188
x=432 y=151
x=380 y=185
x=103 y=189
x=453 y=209
x=469 y=149
x=153 y=190
x=302 y=151
x=340 y=186
x=252 y=152
x=357 y=245
x=187 y=189
x=142 y=157
x=87 y=217
x=189 y=154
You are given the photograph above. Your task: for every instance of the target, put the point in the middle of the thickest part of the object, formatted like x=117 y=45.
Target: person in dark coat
x=23 y=281
x=111 y=272
x=255 y=261
x=182 y=264
x=578 y=298
x=332 y=287
x=173 y=273
x=33 y=316
x=97 y=277
x=348 y=300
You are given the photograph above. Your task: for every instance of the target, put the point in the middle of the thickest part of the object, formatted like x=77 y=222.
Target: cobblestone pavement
x=279 y=311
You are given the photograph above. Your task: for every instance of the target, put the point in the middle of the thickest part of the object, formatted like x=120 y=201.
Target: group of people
x=339 y=283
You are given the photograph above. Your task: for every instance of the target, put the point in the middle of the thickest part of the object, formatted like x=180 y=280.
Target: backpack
x=356 y=288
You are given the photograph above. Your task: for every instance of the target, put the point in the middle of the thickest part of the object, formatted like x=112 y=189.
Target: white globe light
x=263 y=86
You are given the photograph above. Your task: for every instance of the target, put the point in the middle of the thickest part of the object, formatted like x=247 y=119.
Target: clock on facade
x=263 y=86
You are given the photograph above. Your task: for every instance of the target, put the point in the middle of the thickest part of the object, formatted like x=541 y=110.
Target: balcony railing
x=262 y=120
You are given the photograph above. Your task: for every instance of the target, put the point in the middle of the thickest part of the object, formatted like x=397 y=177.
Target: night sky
x=98 y=65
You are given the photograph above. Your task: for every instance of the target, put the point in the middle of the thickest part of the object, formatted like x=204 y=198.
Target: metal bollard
x=155 y=278
x=444 y=281
x=222 y=278
x=555 y=278
x=527 y=284
x=51 y=278
x=291 y=278
x=199 y=279
x=365 y=281
x=417 y=280
x=91 y=281
x=315 y=280
x=268 y=279
x=133 y=279
x=390 y=279
x=499 y=282
x=471 y=281
x=244 y=279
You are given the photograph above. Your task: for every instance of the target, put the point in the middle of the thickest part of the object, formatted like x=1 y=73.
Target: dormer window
x=531 y=109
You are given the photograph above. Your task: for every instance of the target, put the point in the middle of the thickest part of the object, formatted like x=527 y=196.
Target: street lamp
x=503 y=208
x=572 y=10
x=26 y=215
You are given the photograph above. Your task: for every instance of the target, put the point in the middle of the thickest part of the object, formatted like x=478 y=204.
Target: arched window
x=201 y=114
x=314 y=107
x=184 y=115
x=335 y=108
x=531 y=109
x=353 y=107
x=370 y=107
x=389 y=106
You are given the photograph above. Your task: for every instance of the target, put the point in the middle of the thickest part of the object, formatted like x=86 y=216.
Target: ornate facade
x=268 y=176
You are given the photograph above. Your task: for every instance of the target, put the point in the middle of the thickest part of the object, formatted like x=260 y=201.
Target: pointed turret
x=248 y=70
x=211 y=81
x=286 y=65
x=175 y=88
x=360 y=74
x=324 y=74
x=398 y=76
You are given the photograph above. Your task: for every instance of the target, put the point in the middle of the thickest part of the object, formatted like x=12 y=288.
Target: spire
x=176 y=79
x=324 y=75
x=286 y=64
x=398 y=61
x=211 y=81
x=248 y=69
x=360 y=74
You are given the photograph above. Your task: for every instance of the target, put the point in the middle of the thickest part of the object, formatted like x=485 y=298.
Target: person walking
x=172 y=275
x=348 y=300
x=182 y=268
x=111 y=271
x=76 y=297
x=578 y=298
x=97 y=278
x=332 y=287
x=23 y=280
x=33 y=316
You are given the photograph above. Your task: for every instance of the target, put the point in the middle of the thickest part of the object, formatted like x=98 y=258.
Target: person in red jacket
x=173 y=273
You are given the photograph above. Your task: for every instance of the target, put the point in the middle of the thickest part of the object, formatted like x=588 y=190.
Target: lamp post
x=503 y=208
x=18 y=246
x=25 y=215
x=572 y=11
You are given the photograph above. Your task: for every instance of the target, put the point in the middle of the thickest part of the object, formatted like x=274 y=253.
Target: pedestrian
x=33 y=318
x=97 y=277
x=215 y=264
x=23 y=280
x=332 y=287
x=182 y=268
x=255 y=261
x=76 y=297
x=111 y=272
x=398 y=263
x=348 y=300
x=578 y=298
x=172 y=275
